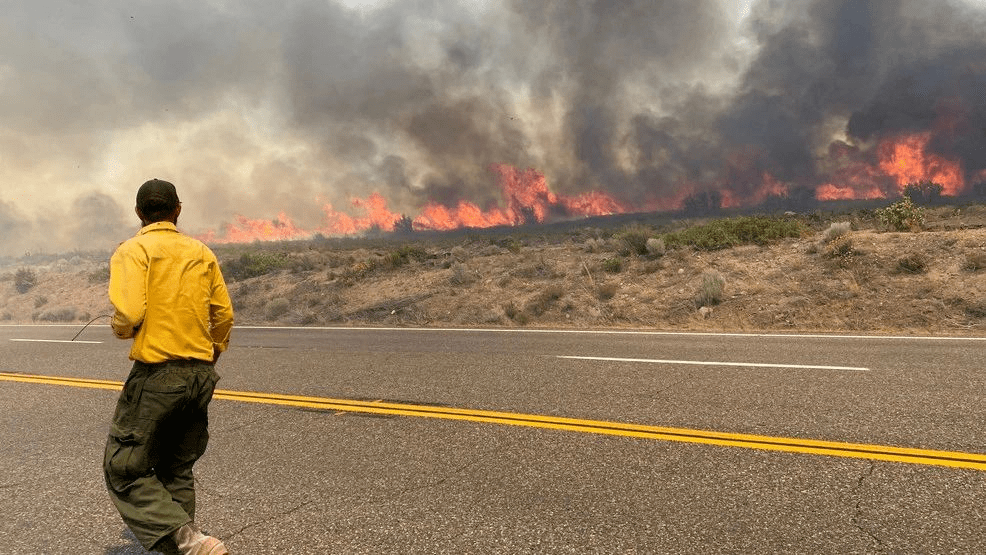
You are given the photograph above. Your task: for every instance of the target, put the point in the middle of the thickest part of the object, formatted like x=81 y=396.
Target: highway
x=349 y=440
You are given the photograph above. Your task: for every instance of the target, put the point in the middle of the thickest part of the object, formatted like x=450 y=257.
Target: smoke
x=259 y=108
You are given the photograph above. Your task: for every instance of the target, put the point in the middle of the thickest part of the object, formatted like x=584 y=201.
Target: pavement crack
x=271 y=519
x=857 y=516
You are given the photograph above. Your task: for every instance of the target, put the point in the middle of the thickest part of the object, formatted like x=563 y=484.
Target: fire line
x=953 y=459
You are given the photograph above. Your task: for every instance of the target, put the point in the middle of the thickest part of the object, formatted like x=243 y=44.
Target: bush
x=924 y=192
x=728 y=233
x=711 y=291
x=543 y=300
x=40 y=301
x=250 y=265
x=56 y=315
x=836 y=230
x=902 y=215
x=633 y=239
x=276 y=308
x=656 y=247
x=606 y=291
x=613 y=265
x=405 y=254
x=25 y=280
x=461 y=275
x=101 y=275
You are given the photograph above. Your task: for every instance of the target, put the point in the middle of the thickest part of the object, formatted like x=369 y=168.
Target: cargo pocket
x=162 y=394
x=127 y=457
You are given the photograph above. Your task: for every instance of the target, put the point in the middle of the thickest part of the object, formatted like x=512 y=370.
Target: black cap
x=157 y=198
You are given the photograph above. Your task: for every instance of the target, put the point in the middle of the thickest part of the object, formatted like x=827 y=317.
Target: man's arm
x=128 y=292
x=220 y=313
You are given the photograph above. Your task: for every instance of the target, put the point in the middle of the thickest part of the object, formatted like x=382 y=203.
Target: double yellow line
x=954 y=459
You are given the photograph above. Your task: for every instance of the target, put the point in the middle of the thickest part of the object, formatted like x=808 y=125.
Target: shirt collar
x=158 y=226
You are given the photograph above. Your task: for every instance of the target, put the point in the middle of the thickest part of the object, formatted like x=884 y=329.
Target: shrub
x=924 y=192
x=405 y=254
x=633 y=239
x=40 y=301
x=841 y=248
x=461 y=275
x=711 y=291
x=728 y=233
x=902 y=215
x=914 y=263
x=101 y=275
x=250 y=265
x=25 y=280
x=543 y=300
x=656 y=247
x=613 y=265
x=836 y=230
x=606 y=291
x=276 y=308
x=56 y=315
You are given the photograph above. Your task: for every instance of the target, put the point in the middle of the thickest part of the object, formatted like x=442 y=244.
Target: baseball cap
x=157 y=197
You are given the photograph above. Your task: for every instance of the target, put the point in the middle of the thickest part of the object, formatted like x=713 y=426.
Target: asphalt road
x=507 y=473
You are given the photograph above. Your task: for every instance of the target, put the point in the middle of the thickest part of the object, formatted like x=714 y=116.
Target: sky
x=257 y=109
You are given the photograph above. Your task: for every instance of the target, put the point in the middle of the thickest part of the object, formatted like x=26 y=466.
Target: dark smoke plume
x=258 y=108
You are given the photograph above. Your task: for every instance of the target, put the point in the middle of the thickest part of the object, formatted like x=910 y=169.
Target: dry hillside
x=931 y=281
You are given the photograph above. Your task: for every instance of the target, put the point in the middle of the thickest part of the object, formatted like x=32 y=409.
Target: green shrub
x=403 y=255
x=250 y=265
x=25 y=280
x=732 y=232
x=633 y=239
x=613 y=265
x=711 y=290
x=902 y=215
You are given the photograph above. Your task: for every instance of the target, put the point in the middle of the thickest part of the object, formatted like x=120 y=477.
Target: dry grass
x=865 y=280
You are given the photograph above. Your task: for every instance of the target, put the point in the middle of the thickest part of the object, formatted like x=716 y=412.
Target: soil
x=931 y=281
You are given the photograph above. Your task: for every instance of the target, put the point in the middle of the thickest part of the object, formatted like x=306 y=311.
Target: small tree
x=25 y=280
x=924 y=192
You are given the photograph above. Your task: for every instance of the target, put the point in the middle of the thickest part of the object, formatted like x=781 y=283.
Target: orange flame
x=526 y=193
x=901 y=161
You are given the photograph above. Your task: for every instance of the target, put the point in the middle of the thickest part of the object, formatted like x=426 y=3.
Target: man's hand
x=215 y=354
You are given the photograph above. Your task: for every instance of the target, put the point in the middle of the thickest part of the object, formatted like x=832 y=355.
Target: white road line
x=53 y=341
x=716 y=363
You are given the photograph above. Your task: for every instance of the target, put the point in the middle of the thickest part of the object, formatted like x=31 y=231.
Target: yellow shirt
x=169 y=295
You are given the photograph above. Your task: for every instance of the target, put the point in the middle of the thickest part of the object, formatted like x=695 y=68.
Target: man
x=170 y=297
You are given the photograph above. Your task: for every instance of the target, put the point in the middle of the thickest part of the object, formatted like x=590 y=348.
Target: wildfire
x=854 y=173
x=525 y=193
x=901 y=161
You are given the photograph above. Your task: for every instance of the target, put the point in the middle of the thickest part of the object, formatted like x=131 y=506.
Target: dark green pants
x=159 y=430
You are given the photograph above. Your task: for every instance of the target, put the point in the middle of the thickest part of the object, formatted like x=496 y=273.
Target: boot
x=191 y=541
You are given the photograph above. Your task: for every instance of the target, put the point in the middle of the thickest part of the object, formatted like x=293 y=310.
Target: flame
x=900 y=161
x=907 y=160
x=526 y=195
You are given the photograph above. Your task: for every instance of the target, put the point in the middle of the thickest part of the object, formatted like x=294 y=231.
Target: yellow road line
x=955 y=459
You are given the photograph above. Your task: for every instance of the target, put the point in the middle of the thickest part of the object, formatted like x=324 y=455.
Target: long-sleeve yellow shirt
x=169 y=295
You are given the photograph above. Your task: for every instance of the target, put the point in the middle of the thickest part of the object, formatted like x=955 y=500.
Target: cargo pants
x=159 y=430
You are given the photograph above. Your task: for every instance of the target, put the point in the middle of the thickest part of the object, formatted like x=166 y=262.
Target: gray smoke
x=257 y=108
